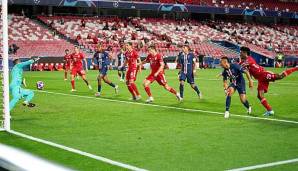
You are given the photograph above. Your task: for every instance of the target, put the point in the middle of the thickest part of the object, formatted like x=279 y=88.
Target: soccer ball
x=39 y=85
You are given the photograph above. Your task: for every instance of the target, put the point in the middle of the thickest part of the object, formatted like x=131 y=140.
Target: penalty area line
x=265 y=165
x=171 y=107
x=76 y=151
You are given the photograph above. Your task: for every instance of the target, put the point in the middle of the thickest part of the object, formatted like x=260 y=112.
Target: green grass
x=157 y=138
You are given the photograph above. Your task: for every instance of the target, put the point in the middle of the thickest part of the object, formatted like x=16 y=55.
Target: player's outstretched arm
x=139 y=63
x=225 y=85
x=93 y=60
x=179 y=61
x=86 y=64
x=250 y=81
x=194 y=66
x=29 y=62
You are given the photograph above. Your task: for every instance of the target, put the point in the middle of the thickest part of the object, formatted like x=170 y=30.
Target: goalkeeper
x=15 y=86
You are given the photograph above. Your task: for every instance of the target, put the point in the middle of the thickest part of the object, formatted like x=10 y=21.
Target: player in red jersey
x=77 y=67
x=264 y=77
x=133 y=61
x=157 y=73
x=67 y=62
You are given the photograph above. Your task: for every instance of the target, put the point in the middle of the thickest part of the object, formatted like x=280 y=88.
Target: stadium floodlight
x=5 y=122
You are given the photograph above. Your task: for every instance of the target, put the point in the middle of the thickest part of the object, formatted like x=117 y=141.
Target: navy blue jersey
x=234 y=74
x=187 y=62
x=102 y=58
x=97 y=58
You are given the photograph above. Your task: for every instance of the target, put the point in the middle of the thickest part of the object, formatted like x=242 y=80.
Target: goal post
x=5 y=123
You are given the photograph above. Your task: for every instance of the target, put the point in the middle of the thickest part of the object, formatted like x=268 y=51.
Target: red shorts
x=160 y=79
x=264 y=80
x=67 y=67
x=131 y=74
x=78 y=71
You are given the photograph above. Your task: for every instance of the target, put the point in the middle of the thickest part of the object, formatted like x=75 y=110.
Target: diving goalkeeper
x=15 y=86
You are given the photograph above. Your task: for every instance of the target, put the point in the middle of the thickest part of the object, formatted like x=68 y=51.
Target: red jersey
x=132 y=59
x=254 y=69
x=67 y=59
x=154 y=62
x=76 y=60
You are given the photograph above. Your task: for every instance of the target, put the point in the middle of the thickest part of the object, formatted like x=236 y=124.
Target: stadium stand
x=273 y=5
x=111 y=31
x=33 y=39
x=261 y=38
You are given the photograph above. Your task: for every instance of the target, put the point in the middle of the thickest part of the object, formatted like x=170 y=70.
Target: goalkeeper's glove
x=35 y=58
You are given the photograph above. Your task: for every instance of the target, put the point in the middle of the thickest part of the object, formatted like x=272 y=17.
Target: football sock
x=228 y=103
x=73 y=84
x=246 y=104
x=112 y=85
x=130 y=89
x=266 y=104
x=134 y=87
x=147 y=89
x=86 y=82
x=290 y=71
x=99 y=88
x=119 y=74
x=197 y=89
x=123 y=75
x=65 y=75
x=181 y=88
x=173 y=91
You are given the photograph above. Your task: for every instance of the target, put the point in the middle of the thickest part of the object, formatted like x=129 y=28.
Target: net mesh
x=1 y=72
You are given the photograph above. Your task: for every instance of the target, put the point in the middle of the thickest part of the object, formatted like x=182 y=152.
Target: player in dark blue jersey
x=103 y=59
x=97 y=60
x=121 y=67
x=187 y=61
x=234 y=73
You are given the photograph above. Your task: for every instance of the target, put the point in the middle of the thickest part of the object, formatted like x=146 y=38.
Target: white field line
x=170 y=107
x=277 y=82
x=265 y=165
x=82 y=153
x=214 y=79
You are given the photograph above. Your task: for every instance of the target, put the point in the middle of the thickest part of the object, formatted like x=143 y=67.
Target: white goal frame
x=5 y=64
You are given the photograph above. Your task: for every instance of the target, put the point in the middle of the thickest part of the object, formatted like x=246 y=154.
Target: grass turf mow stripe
x=178 y=108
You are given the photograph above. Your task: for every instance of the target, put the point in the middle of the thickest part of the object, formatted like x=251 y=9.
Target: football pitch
x=166 y=135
